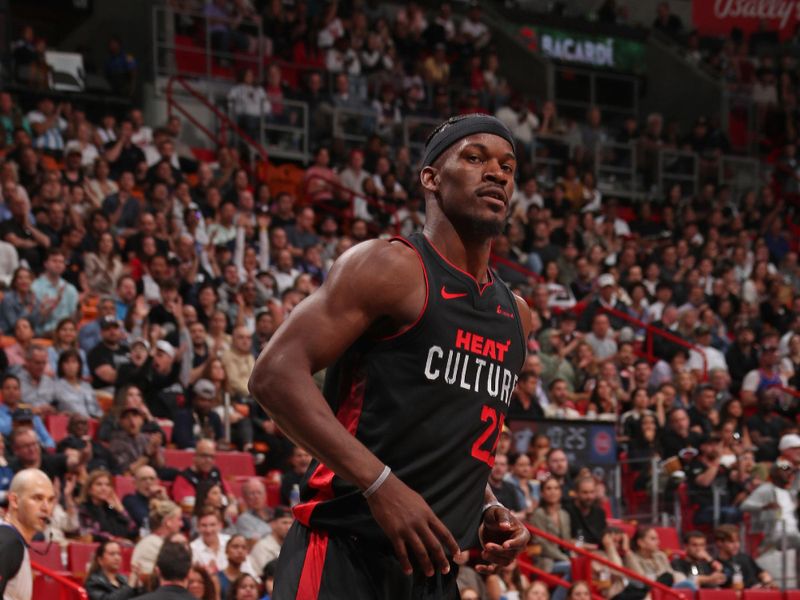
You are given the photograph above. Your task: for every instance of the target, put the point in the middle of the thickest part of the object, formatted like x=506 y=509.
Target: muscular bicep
x=379 y=288
x=13 y=552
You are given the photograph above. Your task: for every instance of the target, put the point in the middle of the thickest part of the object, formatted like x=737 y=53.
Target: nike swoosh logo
x=450 y=295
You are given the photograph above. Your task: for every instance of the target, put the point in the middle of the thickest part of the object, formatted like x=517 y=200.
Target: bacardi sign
x=718 y=17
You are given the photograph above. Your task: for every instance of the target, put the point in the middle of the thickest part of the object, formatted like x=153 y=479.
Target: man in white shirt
x=559 y=406
x=58 y=299
x=352 y=177
x=268 y=548
x=714 y=359
x=209 y=548
x=473 y=29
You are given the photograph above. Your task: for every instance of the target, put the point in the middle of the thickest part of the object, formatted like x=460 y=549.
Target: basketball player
x=31 y=499
x=424 y=345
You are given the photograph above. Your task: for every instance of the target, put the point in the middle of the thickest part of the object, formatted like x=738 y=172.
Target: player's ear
x=429 y=176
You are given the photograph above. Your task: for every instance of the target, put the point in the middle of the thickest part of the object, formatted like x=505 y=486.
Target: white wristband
x=378 y=482
x=489 y=505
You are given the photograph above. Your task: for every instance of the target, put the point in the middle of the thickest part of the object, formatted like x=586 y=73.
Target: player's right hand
x=412 y=527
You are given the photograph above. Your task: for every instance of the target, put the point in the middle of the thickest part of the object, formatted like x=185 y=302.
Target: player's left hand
x=503 y=536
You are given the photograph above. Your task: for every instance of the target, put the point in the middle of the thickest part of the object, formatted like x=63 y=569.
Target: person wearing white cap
x=606 y=297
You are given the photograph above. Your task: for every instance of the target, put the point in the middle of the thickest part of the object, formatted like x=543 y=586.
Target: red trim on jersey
x=481 y=286
x=403 y=330
x=322 y=478
x=311 y=575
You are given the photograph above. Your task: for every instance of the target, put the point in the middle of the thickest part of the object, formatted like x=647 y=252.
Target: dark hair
x=690 y=535
x=174 y=561
x=640 y=532
x=64 y=357
x=237 y=583
x=99 y=553
x=203 y=489
x=542 y=502
x=209 y=591
x=8 y=376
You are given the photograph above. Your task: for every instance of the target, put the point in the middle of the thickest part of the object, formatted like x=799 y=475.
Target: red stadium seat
x=127 y=555
x=717 y=595
x=178 y=459
x=47 y=554
x=274 y=494
x=657 y=594
x=124 y=485
x=791 y=595
x=626 y=527
x=668 y=539
x=56 y=425
x=79 y=557
x=762 y=595
x=236 y=464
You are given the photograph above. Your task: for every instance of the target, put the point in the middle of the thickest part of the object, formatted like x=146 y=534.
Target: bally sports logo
x=782 y=11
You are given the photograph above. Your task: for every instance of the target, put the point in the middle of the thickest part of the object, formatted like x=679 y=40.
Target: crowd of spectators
x=140 y=284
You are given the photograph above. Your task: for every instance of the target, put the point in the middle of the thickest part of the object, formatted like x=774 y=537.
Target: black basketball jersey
x=430 y=402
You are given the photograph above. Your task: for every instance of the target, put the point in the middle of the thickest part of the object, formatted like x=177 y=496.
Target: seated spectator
x=560 y=407
x=551 y=518
x=705 y=473
x=507 y=581
x=132 y=448
x=89 y=334
x=19 y=231
x=104 y=581
x=678 y=434
x=238 y=564
x=71 y=394
x=524 y=400
x=65 y=337
x=766 y=425
x=58 y=299
x=19 y=302
x=103 y=267
x=238 y=362
x=148 y=489
x=128 y=396
x=502 y=489
x=135 y=371
x=253 y=522
x=184 y=490
x=245 y=587
x=741 y=571
x=100 y=511
x=297 y=466
x=208 y=550
x=648 y=560
x=768 y=374
x=12 y=396
x=23 y=339
x=78 y=438
x=587 y=519
x=108 y=356
x=209 y=494
x=37 y=387
x=644 y=446
x=28 y=454
x=174 y=564
x=164 y=519
x=525 y=485
x=269 y=547
x=200 y=421
x=200 y=585
x=601 y=338
x=697 y=564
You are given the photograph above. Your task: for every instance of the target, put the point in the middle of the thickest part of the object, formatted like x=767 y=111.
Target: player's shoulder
x=524 y=313
x=379 y=261
x=11 y=544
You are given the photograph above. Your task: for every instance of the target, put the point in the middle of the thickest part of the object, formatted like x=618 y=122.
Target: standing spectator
x=58 y=299
x=773 y=507
x=120 y=68
x=248 y=104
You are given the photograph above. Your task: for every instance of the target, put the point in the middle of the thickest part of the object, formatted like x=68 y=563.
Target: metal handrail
x=603 y=561
x=62 y=579
x=173 y=104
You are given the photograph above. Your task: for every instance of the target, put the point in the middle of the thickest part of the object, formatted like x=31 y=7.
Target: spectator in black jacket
x=587 y=519
x=148 y=488
x=105 y=582
x=173 y=563
x=101 y=513
x=199 y=421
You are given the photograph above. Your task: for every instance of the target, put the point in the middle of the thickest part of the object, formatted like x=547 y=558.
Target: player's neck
x=469 y=255
x=27 y=533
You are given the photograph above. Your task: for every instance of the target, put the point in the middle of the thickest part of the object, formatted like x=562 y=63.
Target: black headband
x=456 y=128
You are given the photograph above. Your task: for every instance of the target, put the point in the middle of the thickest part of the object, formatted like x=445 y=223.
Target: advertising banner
x=590 y=443
x=719 y=17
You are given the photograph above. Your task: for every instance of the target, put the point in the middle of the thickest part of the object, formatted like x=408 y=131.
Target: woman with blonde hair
x=165 y=518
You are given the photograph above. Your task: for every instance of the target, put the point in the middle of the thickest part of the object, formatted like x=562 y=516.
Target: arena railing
x=546 y=577
x=286 y=135
x=68 y=589
x=343 y=193
x=225 y=121
x=591 y=557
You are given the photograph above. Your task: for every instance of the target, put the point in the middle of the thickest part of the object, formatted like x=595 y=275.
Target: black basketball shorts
x=315 y=565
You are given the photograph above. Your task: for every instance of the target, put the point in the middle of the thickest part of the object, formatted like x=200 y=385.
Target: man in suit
x=173 y=564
